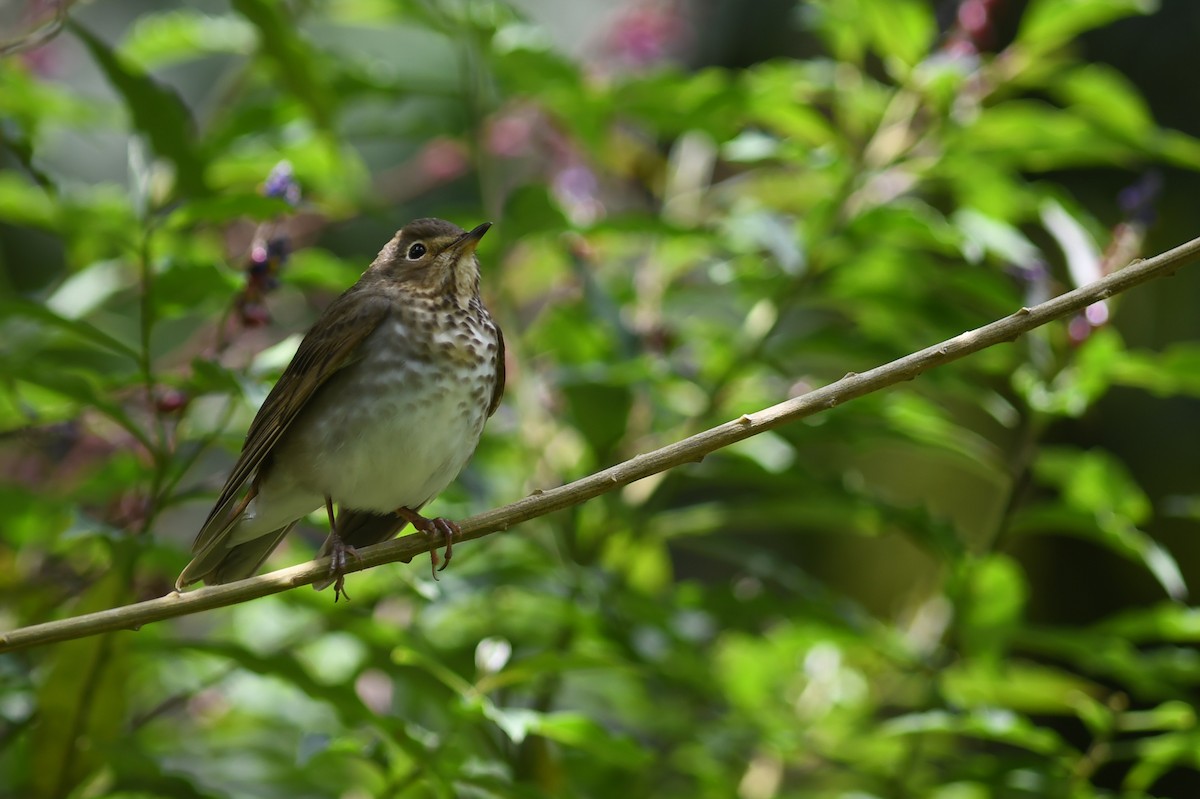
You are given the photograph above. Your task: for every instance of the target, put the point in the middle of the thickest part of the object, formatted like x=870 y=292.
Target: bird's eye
x=416 y=251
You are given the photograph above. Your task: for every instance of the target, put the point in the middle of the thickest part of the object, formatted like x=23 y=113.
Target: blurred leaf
x=1159 y=754
x=83 y=332
x=583 y=733
x=1104 y=504
x=1021 y=686
x=31 y=102
x=82 y=700
x=313 y=267
x=210 y=377
x=1174 y=371
x=986 y=235
x=24 y=203
x=228 y=207
x=155 y=111
x=671 y=103
x=1178 y=148
x=921 y=420
x=1001 y=726
x=600 y=412
x=839 y=24
x=1082 y=254
x=160 y=39
x=1164 y=622
x=644 y=563
x=1033 y=135
x=531 y=211
x=903 y=30
x=1114 y=533
x=1108 y=98
x=1092 y=481
x=80 y=386
x=1048 y=24
x=295 y=61
x=992 y=606
x=1167 y=716
x=284 y=665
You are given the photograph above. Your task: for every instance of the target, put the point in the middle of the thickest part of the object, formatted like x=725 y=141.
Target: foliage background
x=974 y=586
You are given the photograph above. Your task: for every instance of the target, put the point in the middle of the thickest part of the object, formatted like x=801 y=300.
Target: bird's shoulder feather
x=332 y=344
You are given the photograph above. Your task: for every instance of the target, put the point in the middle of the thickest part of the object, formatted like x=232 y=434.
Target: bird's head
x=433 y=256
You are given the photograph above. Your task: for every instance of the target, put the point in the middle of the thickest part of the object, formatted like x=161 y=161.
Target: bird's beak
x=467 y=242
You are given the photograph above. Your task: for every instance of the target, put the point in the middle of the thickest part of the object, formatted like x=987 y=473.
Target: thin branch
x=689 y=450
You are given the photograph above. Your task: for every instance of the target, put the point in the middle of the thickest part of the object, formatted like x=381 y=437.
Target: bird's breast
x=395 y=427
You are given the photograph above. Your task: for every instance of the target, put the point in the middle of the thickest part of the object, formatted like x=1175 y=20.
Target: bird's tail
x=219 y=564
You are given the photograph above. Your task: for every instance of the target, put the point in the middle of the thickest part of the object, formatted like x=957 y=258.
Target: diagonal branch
x=689 y=450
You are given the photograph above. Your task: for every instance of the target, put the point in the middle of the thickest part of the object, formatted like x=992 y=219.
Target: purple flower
x=282 y=183
x=1137 y=201
x=577 y=191
x=645 y=35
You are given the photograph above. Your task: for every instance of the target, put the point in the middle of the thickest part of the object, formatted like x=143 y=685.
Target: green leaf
x=992 y=606
x=1018 y=685
x=82 y=331
x=600 y=411
x=1108 y=98
x=530 y=211
x=671 y=104
x=999 y=725
x=1048 y=24
x=571 y=729
x=984 y=234
x=81 y=386
x=901 y=29
x=156 y=111
x=1102 y=503
x=161 y=39
x=228 y=207
x=581 y=732
x=1093 y=481
x=1113 y=532
x=923 y=420
x=1159 y=754
x=1164 y=622
x=23 y=203
x=1035 y=135
x=295 y=61
x=1173 y=715
x=82 y=700
x=1174 y=371
x=211 y=377
x=839 y=23
x=774 y=97
x=1178 y=149
x=32 y=103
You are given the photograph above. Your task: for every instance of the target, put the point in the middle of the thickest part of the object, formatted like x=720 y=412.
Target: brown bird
x=379 y=410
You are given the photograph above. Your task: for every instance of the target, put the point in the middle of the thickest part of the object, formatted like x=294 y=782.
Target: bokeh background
x=978 y=584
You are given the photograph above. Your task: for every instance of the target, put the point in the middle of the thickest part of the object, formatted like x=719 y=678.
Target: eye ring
x=416 y=251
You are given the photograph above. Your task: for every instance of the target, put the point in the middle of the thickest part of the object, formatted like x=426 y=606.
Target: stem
x=689 y=450
x=159 y=451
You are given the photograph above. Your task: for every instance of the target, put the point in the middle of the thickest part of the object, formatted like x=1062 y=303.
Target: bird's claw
x=439 y=527
x=339 y=555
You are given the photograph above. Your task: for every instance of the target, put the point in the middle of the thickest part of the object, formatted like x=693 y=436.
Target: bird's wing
x=498 y=389
x=331 y=345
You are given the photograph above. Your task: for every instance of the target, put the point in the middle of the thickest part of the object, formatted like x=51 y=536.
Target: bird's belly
x=382 y=437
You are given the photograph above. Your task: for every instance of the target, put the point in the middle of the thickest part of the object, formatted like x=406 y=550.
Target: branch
x=689 y=450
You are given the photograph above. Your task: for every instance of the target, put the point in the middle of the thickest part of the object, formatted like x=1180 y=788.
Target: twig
x=689 y=450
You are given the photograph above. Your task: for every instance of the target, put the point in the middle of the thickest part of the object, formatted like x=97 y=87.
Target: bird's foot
x=435 y=528
x=339 y=556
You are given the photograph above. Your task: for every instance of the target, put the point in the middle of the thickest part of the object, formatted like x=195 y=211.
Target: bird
x=378 y=411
